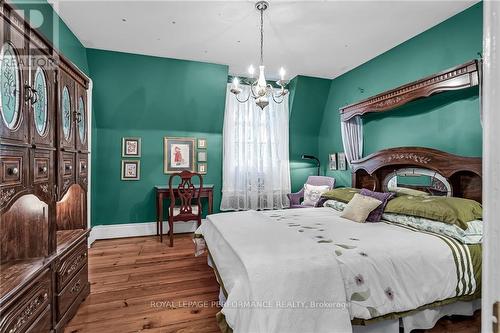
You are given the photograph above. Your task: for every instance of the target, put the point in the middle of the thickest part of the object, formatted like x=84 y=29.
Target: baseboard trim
x=135 y=230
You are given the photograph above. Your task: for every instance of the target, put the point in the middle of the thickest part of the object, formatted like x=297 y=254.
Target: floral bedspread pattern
x=389 y=268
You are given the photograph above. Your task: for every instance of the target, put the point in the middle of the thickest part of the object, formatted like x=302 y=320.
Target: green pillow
x=343 y=194
x=408 y=191
x=457 y=211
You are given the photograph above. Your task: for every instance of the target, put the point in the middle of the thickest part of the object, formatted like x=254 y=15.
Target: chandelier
x=260 y=90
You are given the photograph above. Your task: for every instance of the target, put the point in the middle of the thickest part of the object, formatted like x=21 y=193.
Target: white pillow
x=312 y=194
x=360 y=207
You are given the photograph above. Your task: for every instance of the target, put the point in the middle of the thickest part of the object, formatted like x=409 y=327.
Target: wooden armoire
x=43 y=173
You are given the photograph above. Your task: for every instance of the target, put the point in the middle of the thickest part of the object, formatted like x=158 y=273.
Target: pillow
x=376 y=214
x=472 y=235
x=313 y=193
x=343 y=194
x=337 y=205
x=360 y=207
x=455 y=211
x=408 y=191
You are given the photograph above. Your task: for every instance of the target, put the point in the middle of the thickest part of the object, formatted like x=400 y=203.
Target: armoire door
x=14 y=72
x=42 y=102
x=81 y=124
x=66 y=112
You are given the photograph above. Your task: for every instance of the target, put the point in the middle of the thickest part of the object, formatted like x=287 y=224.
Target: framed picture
x=131 y=147
x=178 y=154
x=202 y=156
x=131 y=169
x=202 y=143
x=332 y=161
x=202 y=168
x=342 y=162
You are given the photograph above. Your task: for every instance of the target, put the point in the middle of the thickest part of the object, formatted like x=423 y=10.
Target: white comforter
x=313 y=254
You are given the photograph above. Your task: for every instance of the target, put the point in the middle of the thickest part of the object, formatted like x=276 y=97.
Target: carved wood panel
x=24 y=229
x=459 y=77
x=71 y=210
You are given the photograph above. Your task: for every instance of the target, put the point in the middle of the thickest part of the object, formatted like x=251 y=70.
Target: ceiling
x=316 y=38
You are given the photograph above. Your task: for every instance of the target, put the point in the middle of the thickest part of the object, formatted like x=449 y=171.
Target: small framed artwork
x=131 y=147
x=178 y=154
x=131 y=169
x=332 y=161
x=342 y=161
x=202 y=168
x=202 y=156
x=202 y=143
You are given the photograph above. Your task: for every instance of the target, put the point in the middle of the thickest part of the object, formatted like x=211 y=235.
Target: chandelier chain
x=261 y=36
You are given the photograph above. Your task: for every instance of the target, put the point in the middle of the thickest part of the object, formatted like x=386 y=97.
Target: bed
x=311 y=270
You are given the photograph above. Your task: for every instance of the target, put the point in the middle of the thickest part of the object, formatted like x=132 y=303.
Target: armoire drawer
x=43 y=323
x=28 y=307
x=69 y=294
x=13 y=166
x=70 y=264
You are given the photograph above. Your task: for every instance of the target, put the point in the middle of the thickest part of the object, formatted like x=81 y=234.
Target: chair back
x=321 y=180
x=187 y=194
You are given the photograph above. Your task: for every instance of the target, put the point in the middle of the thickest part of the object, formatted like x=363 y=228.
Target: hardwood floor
x=141 y=285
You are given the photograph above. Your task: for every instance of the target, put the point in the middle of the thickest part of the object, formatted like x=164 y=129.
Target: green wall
x=42 y=17
x=149 y=97
x=448 y=121
x=308 y=96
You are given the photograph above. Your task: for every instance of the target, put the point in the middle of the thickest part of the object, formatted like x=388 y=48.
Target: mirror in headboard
x=420 y=179
x=414 y=167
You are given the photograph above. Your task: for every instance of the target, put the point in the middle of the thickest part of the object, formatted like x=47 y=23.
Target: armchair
x=311 y=180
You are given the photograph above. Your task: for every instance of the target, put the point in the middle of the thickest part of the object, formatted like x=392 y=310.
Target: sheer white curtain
x=256 y=172
x=352 y=138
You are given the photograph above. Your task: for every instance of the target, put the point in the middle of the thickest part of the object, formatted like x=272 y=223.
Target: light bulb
x=282 y=73
x=235 y=82
x=251 y=71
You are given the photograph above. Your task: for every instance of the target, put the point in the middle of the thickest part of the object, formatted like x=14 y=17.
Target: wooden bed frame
x=463 y=173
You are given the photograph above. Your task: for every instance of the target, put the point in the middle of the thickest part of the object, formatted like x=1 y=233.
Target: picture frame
x=131 y=170
x=178 y=154
x=202 y=156
x=202 y=143
x=202 y=168
x=131 y=147
x=332 y=162
x=342 y=161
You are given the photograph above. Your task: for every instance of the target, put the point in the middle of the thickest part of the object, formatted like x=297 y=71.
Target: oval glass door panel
x=66 y=113
x=10 y=86
x=40 y=107
x=81 y=120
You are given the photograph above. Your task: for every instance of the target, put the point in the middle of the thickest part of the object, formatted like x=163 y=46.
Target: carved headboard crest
x=463 y=173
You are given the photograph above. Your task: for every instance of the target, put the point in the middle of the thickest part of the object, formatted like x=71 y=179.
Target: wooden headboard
x=463 y=173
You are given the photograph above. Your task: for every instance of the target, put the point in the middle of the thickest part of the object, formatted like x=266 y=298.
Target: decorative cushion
x=449 y=210
x=313 y=193
x=337 y=205
x=360 y=207
x=343 y=194
x=376 y=214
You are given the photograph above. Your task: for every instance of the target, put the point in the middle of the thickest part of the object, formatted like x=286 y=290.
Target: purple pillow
x=376 y=214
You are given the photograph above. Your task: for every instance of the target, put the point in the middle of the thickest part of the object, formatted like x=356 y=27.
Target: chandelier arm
x=243 y=100
x=278 y=101
x=254 y=94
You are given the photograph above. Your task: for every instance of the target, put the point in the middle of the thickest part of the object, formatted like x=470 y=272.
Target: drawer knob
x=84 y=166
x=43 y=169
x=69 y=167
x=13 y=171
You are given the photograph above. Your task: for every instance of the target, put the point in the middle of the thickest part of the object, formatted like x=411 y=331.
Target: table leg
x=157 y=214
x=210 y=202
x=160 y=213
